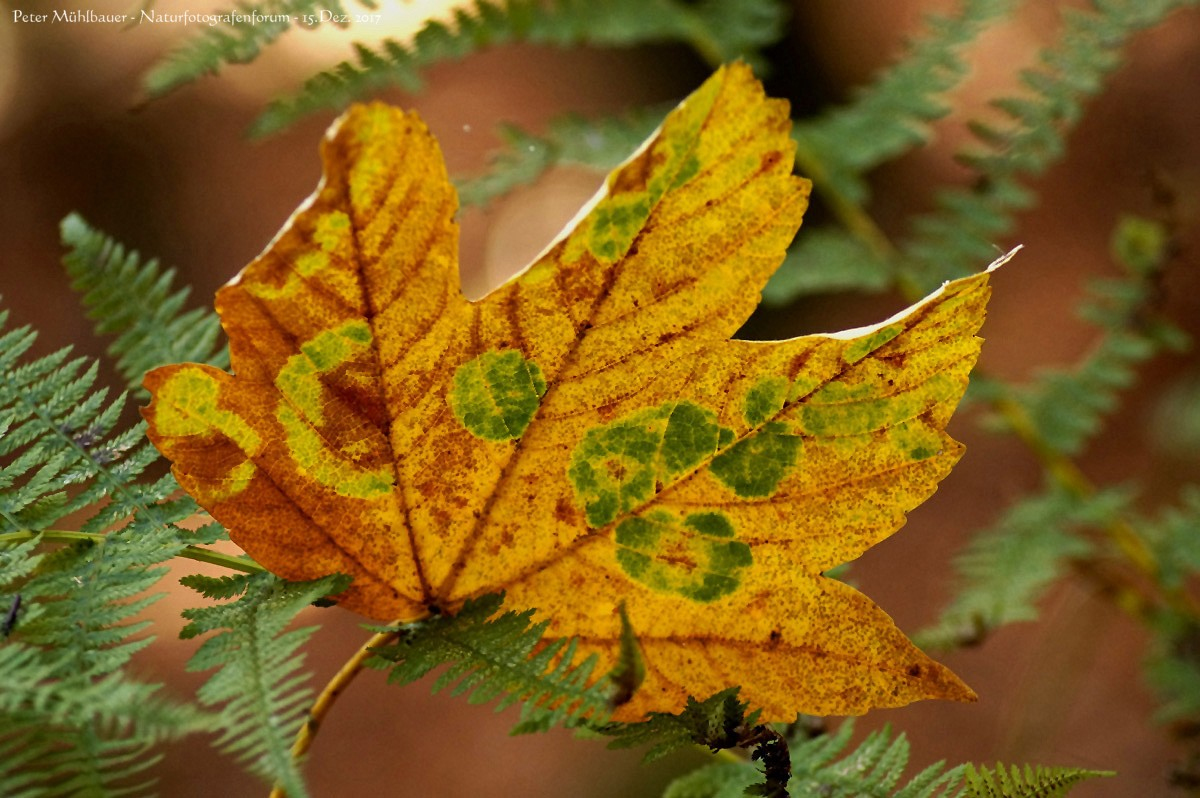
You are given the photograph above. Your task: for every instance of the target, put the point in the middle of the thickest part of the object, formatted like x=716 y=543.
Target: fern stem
x=197 y=553
x=330 y=693
x=852 y=215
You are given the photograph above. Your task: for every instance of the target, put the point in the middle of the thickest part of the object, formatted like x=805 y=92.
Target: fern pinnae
x=955 y=238
x=1066 y=406
x=720 y=30
x=892 y=115
x=237 y=42
x=134 y=300
x=499 y=656
x=600 y=144
x=874 y=769
x=79 y=603
x=259 y=687
x=1008 y=567
x=838 y=148
x=1013 y=782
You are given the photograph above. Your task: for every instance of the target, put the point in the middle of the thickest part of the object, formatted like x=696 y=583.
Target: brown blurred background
x=177 y=178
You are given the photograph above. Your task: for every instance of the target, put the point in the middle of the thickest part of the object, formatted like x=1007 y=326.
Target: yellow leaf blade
x=588 y=435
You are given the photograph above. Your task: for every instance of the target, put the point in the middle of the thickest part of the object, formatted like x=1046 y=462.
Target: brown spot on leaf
x=565 y=512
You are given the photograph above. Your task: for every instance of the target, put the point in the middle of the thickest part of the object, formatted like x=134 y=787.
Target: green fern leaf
x=839 y=147
x=1007 y=568
x=1067 y=406
x=873 y=770
x=259 y=685
x=827 y=260
x=601 y=144
x=954 y=239
x=79 y=737
x=134 y=301
x=239 y=37
x=892 y=115
x=500 y=657
x=1032 y=783
x=713 y=722
x=1173 y=539
x=720 y=30
x=1173 y=666
x=718 y=780
x=74 y=625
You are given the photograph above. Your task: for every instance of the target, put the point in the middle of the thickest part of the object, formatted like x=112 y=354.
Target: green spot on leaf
x=715 y=525
x=618 y=466
x=754 y=466
x=917 y=439
x=691 y=436
x=697 y=559
x=496 y=394
x=803 y=386
x=764 y=400
x=312 y=455
x=861 y=347
x=838 y=410
x=689 y=169
x=725 y=437
x=300 y=378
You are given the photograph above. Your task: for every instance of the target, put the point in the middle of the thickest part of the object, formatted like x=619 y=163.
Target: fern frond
x=73 y=737
x=62 y=454
x=957 y=237
x=259 y=688
x=1173 y=539
x=1038 y=782
x=601 y=144
x=891 y=116
x=240 y=36
x=84 y=724
x=1066 y=407
x=1173 y=666
x=838 y=148
x=826 y=260
x=713 y=722
x=720 y=30
x=134 y=301
x=1007 y=568
x=873 y=770
x=501 y=658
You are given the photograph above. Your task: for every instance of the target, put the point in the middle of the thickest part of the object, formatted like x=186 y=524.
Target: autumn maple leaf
x=588 y=434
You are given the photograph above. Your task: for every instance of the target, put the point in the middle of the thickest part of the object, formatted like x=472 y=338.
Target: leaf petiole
x=331 y=691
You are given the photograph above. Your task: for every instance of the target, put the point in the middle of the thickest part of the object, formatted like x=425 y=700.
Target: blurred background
x=178 y=178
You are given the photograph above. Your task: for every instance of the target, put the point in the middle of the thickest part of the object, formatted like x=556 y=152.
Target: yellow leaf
x=588 y=436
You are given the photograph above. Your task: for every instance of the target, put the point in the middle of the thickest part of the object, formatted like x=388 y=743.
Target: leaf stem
x=336 y=686
x=197 y=553
x=726 y=755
